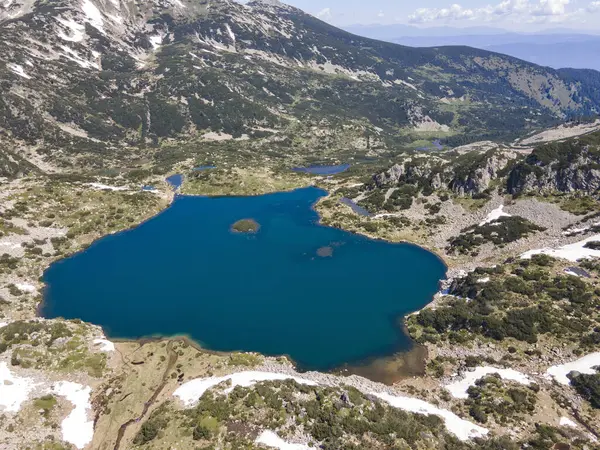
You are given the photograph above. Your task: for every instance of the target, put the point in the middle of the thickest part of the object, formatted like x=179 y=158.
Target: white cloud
x=454 y=12
x=380 y=14
x=515 y=10
x=324 y=14
x=550 y=8
x=594 y=6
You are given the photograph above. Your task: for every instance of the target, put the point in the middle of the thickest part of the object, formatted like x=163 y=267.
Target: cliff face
x=466 y=174
x=569 y=166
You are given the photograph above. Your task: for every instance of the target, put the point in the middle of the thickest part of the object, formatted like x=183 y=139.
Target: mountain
x=555 y=48
x=82 y=78
x=389 y=32
x=579 y=54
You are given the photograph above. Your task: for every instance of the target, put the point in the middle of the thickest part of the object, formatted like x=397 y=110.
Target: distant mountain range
x=556 y=48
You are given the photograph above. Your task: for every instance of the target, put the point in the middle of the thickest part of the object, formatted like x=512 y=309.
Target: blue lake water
x=185 y=272
x=175 y=180
x=356 y=208
x=323 y=170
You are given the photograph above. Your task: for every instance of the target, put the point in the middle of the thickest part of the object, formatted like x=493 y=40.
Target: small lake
x=321 y=295
x=323 y=170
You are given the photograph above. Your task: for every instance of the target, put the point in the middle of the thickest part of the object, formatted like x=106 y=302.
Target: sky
x=515 y=15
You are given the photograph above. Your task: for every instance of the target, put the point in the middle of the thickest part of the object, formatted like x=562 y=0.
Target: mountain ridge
x=108 y=75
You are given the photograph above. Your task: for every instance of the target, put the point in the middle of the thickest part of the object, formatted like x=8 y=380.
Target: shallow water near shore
x=185 y=272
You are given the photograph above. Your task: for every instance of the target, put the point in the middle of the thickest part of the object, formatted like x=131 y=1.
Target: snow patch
x=77 y=31
x=156 y=41
x=458 y=389
x=3 y=324
x=18 y=69
x=582 y=365
x=25 y=287
x=77 y=428
x=230 y=33
x=495 y=215
x=270 y=439
x=212 y=136
x=14 y=390
x=104 y=344
x=566 y=422
x=406 y=83
x=571 y=252
x=75 y=57
x=105 y=187
x=462 y=429
x=11 y=245
x=484 y=280
x=190 y=392
x=93 y=15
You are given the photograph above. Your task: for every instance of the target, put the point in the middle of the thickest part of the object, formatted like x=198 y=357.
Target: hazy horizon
x=522 y=16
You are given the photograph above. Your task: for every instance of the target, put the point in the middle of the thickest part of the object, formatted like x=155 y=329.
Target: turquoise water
x=185 y=272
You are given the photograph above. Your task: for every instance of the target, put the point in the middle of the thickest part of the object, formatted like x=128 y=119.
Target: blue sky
x=522 y=15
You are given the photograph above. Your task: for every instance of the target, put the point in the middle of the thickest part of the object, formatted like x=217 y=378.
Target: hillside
x=120 y=77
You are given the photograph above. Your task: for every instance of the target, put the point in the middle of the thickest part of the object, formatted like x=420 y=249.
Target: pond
x=175 y=180
x=321 y=295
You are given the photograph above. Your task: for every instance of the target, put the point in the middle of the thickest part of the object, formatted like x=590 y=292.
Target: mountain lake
x=320 y=295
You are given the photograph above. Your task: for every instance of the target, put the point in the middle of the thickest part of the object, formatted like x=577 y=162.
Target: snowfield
x=566 y=422
x=582 y=365
x=106 y=187
x=14 y=390
x=459 y=388
x=190 y=392
x=76 y=428
x=270 y=439
x=494 y=215
x=571 y=252
x=462 y=429
x=25 y=287
x=104 y=344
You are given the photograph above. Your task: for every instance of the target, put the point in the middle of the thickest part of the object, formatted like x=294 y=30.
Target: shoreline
x=348 y=368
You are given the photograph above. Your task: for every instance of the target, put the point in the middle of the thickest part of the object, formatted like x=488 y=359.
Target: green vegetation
x=245 y=359
x=50 y=345
x=245 y=226
x=521 y=300
x=152 y=427
x=498 y=232
x=46 y=404
x=588 y=386
x=336 y=418
x=491 y=397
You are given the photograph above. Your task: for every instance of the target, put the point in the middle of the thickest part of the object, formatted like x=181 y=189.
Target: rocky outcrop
x=477 y=177
x=465 y=174
x=570 y=167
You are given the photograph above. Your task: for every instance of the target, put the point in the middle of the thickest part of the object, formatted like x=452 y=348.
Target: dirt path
x=165 y=378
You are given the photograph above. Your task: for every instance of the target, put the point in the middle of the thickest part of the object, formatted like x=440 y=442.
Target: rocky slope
x=81 y=77
x=464 y=174
x=570 y=166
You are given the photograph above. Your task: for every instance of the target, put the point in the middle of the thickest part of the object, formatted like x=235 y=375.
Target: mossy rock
x=245 y=226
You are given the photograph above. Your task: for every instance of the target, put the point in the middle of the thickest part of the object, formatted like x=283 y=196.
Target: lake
x=323 y=170
x=321 y=295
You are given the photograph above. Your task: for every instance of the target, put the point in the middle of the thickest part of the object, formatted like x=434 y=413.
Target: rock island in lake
x=245 y=226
